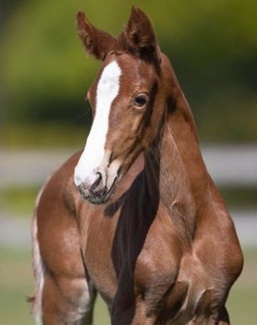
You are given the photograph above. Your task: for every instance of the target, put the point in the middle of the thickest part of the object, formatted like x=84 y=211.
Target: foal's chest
x=173 y=292
x=170 y=280
x=147 y=264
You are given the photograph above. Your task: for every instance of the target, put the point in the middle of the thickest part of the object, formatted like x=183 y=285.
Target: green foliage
x=47 y=135
x=41 y=79
x=212 y=45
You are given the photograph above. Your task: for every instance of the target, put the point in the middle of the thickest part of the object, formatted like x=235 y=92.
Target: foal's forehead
x=122 y=72
x=130 y=69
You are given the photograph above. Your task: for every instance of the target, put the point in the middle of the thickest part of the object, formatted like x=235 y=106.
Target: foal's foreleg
x=62 y=297
x=223 y=318
x=219 y=318
x=66 y=301
x=64 y=294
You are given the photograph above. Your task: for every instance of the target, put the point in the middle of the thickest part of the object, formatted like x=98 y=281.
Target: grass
x=24 y=198
x=16 y=284
x=243 y=297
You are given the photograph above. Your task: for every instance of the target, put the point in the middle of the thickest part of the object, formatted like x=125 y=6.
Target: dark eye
x=141 y=100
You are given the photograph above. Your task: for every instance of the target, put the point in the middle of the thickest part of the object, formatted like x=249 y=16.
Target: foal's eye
x=141 y=100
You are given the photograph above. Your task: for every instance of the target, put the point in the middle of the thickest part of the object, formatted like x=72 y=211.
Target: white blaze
x=93 y=155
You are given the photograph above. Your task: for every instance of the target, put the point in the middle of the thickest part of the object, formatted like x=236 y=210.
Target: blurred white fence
x=229 y=165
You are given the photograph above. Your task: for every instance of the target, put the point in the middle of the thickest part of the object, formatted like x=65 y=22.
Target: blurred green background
x=212 y=46
x=44 y=76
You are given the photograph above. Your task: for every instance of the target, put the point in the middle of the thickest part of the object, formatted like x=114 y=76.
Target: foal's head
x=127 y=98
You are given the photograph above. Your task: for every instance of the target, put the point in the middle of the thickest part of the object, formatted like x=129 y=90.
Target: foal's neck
x=175 y=164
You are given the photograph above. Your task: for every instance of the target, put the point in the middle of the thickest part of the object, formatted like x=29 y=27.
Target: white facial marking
x=93 y=155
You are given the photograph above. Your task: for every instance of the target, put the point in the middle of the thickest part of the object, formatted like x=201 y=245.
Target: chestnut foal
x=152 y=234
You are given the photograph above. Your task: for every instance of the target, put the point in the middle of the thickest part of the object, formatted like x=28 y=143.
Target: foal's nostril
x=98 y=190
x=97 y=181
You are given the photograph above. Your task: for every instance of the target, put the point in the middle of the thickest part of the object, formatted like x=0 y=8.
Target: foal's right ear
x=97 y=42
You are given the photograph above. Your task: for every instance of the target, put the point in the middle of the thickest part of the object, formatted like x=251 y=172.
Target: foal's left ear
x=97 y=42
x=138 y=36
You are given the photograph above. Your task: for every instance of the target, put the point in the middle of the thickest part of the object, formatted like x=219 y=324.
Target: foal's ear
x=97 y=42
x=138 y=36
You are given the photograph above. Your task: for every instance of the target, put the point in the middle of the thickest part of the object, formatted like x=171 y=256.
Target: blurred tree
x=7 y=5
x=212 y=45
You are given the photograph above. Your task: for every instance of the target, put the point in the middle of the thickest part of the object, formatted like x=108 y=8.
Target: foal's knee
x=66 y=301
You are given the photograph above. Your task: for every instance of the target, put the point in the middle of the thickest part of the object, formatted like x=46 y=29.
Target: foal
x=152 y=234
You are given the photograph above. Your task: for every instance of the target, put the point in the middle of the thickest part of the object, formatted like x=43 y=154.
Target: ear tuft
x=97 y=42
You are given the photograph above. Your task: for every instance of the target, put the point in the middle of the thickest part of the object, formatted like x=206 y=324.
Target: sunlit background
x=44 y=76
